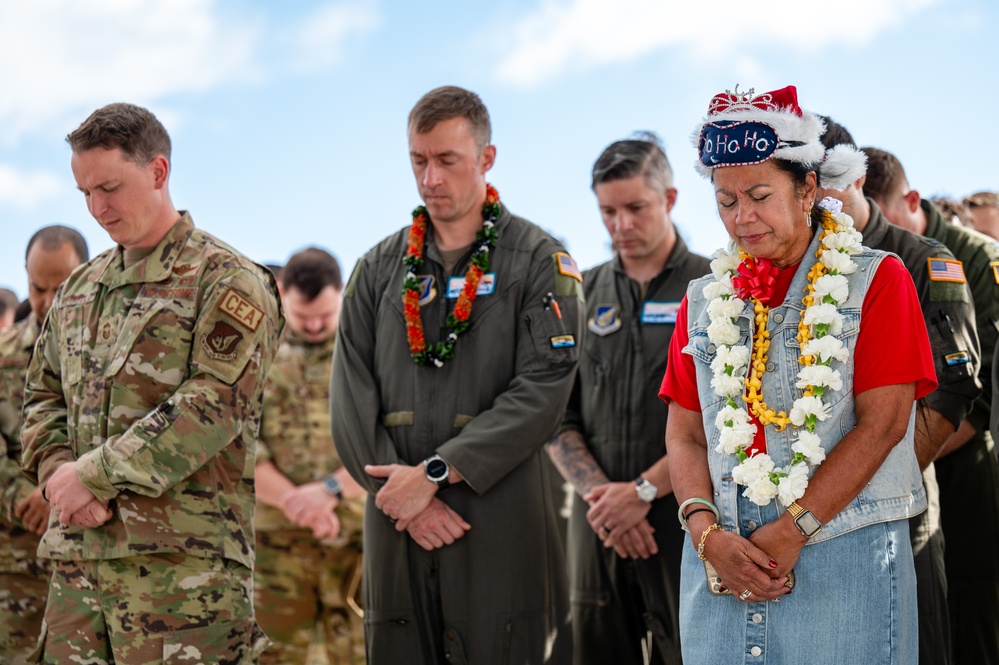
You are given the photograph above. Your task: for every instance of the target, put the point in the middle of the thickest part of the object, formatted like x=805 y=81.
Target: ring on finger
x=745 y=595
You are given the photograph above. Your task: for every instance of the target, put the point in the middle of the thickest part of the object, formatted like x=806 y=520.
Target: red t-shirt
x=892 y=344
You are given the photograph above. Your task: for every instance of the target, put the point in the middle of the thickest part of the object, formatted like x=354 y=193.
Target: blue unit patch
x=605 y=320
x=427 y=290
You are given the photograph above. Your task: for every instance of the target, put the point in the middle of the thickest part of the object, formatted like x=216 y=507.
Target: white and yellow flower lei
x=821 y=322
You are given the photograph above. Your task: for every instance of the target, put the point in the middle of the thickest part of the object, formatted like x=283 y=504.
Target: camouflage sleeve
x=235 y=336
x=355 y=399
x=270 y=423
x=45 y=430
x=528 y=413
x=13 y=486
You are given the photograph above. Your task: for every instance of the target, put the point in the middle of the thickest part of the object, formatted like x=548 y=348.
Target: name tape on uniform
x=660 y=313
x=487 y=285
x=241 y=309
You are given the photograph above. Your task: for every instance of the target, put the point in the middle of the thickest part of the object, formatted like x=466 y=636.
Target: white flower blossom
x=809 y=445
x=835 y=286
x=825 y=313
x=825 y=349
x=724 y=264
x=727 y=386
x=726 y=309
x=838 y=261
x=733 y=439
x=831 y=204
x=808 y=406
x=727 y=413
x=791 y=487
x=735 y=356
x=751 y=469
x=819 y=375
x=723 y=331
x=761 y=491
x=717 y=289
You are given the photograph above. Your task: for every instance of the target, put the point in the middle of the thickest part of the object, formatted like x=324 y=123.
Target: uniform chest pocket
x=75 y=337
x=153 y=348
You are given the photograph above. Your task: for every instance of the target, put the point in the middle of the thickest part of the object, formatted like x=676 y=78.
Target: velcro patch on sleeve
x=946 y=270
x=567 y=266
x=241 y=309
x=563 y=341
x=957 y=358
x=995 y=270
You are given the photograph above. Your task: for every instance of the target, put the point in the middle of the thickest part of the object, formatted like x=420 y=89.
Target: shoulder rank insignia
x=426 y=289
x=946 y=270
x=605 y=320
x=567 y=266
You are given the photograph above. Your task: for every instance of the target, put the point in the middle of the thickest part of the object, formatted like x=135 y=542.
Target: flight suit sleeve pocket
x=555 y=343
x=240 y=641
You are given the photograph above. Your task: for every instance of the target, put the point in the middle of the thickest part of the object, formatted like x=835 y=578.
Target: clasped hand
x=408 y=499
x=74 y=502
x=759 y=565
x=618 y=517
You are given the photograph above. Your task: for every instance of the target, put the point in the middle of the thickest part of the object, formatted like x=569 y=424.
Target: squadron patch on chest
x=427 y=290
x=241 y=309
x=605 y=320
x=221 y=342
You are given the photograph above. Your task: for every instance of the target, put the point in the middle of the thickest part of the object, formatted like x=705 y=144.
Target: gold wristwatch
x=806 y=522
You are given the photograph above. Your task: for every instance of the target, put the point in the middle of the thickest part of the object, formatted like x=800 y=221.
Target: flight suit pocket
x=521 y=638
x=391 y=636
x=555 y=343
x=240 y=641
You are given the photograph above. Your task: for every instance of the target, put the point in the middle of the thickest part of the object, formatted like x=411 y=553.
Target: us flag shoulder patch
x=567 y=267
x=946 y=270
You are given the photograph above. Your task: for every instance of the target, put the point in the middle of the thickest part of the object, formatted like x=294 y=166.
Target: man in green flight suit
x=966 y=467
x=309 y=510
x=53 y=252
x=141 y=411
x=624 y=542
x=950 y=322
x=454 y=361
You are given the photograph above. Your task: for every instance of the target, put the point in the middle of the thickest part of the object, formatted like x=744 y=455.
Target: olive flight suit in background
x=24 y=577
x=969 y=477
x=302 y=583
x=149 y=374
x=950 y=321
x=498 y=594
x=617 y=603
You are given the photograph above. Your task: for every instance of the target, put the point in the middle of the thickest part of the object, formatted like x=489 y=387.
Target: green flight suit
x=950 y=322
x=969 y=477
x=302 y=583
x=498 y=594
x=24 y=577
x=615 y=406
x=150 y=377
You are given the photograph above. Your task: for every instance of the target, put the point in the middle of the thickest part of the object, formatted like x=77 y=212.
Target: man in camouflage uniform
x=8 y=308
x=950 y=322
x=141 y=413
x=461 y=556
x=309 y=510
x=624 y=540
x=966 y=467
x=53 y=252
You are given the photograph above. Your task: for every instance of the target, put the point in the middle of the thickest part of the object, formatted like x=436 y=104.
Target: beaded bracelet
x=683 y=520
x=704 y=537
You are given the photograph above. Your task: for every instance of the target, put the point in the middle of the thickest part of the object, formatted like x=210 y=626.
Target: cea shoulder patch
x=226 y=335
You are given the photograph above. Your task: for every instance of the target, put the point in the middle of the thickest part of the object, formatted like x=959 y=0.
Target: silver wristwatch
x=647 y=492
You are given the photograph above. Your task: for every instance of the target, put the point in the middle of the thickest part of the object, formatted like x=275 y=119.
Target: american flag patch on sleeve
x=946 y=270
x=567 y=266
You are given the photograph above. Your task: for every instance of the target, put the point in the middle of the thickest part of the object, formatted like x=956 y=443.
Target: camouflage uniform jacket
x=152 y=377
x=17 y=546
x=295 y=429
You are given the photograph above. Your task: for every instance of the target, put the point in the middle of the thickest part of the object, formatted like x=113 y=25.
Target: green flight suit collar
x=156 y=267
x=434 y=255
x=675 y=260
x=934 y=219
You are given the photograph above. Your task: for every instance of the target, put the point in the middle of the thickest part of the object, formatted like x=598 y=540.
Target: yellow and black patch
x=222 y=341
x=241 y=309
x=995 y=270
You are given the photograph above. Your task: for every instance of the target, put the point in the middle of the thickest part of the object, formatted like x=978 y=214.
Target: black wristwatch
x=806 y=522
x=437 y=471
x=333 y=487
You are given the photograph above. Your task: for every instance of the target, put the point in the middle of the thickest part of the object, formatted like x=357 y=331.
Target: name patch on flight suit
x=427 y=290
x=241 y=309
x=605 y=320
x=221 y=342
x=660 y=312
x=487 y=285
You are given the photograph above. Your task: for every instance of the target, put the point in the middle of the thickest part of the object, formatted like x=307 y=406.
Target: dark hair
x=310 y=271
x=835 y=134
x=884 y=173
x=22 y=311
x=641 y=155
x=131 y=128
x=982 y=200
x=8 y=301
x=448 y=102
x=55 y=236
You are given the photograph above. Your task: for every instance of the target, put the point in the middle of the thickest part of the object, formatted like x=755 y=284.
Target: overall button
x=711 y=348
x=751 y=525
x=778 y=318
x=756 y=651
x=757 y=618
x=770 y=367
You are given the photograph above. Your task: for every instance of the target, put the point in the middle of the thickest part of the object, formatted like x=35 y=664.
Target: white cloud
x=25 y=190
x=60 y=59
x=579 y=34
x=318 y=42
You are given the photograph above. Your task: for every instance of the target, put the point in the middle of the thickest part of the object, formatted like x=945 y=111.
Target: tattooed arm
x=572 y=458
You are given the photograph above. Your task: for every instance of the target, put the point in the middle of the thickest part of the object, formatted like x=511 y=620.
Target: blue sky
x=289 y=119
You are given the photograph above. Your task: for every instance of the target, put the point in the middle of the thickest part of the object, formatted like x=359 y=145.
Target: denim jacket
x=896 y=490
